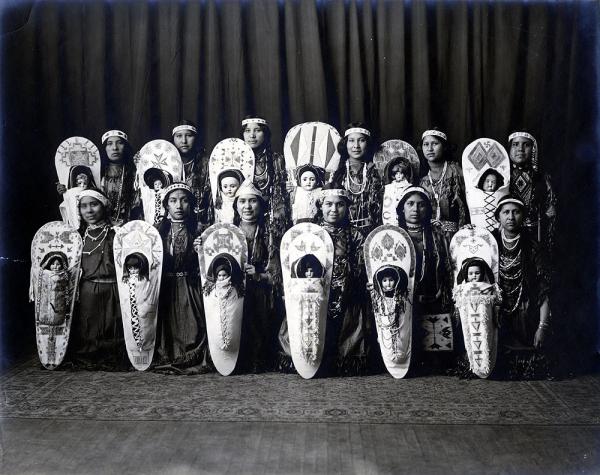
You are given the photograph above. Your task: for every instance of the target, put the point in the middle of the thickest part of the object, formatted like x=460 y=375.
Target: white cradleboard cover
x=387 y=246
x=313 y=143
x=164 y=156
x=478 y=157
x=230 y=154
x=54 y=293
x=306 y=298
x=223 y=306
x=76 y=151
x=475 y=300
x=391 y=197
x=139 y=296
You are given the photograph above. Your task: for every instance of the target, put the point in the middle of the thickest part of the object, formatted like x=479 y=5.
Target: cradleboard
x=475 y=300
x=230 y=154
x=71 y=153
x=54 y=291
x=138 y=293
x=479 y=157
x=392 y=192
x=306 y=246
x=223 y=246
x=158 y=157
x=389 y=251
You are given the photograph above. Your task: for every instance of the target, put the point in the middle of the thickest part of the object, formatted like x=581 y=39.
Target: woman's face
x=334 y=209
x=92 y=211
x=308 y=180
x=56 y=265
x=520 y=150
x=222 y=275
x=356 y=145
x=511 y=217
x=81 y=180
x=229 y=186
x=388 y=283
x=248 y=207
x=184 y=140
x=178 y=204
x=115 y=147
x=415 y=209
x=474 y=274
x=254 y=135
x=433 y=148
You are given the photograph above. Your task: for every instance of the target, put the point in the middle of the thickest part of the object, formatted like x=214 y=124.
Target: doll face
x=308 y=181
x=92 y=211
x=309 y=273
x=56 y=265
x=334 y=209
x=178 y=204
x=356 y=145
x=222 y=275
x=248 y=208
x=415 y=209
x=388 y=283
x=229 y=186
x=433 y=148
x=511 y=217
x=474 y=274
x=82 y=180
x=157 y=185
x=184 y=140
x=398 y=174
x=490 y=183
x=254 y=135
x=133 y=268
x=115 y=147
x=520 y=150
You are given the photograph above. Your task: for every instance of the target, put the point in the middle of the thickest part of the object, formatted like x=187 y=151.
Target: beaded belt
x=101 y=281
x=177 y=274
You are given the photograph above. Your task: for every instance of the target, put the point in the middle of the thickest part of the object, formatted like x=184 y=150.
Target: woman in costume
x=533 y=188
x=182 y=345
x=525 y=282
x=348 y=326
x=270 y=176
x=97 y=331
x=358 y=175
x=432 y=294
x=263 y=279
x=195 y=170
x=444 y=184
x=118 y=176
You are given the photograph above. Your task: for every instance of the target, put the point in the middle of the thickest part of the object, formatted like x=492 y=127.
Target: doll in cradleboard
x=228 y=183
x=398 y=177
x=80 y=178
x=389 y=293
x=53 y=282
x=304 y=197
x=490 y=181
x=478 y=297
x=152 y=197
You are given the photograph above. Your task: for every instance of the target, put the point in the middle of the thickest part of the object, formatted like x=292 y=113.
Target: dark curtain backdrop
x=473 y=68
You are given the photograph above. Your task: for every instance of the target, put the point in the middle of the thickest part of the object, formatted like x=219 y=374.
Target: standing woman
x=182 y=343
x=118 y=175
x=195 y=169
x=270 y=176
x=444 y=183
x=524 y=279
x=358 y=175
x=97 y=333
x=263 y=279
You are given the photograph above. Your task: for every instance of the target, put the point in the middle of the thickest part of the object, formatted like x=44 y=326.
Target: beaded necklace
x=101 y=236
x=436 y=186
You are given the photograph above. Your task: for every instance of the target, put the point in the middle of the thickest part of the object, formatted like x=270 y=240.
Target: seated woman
x=524 y=278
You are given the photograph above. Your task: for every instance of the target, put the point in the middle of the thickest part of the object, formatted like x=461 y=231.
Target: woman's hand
x=289 y=186
x=540 y=337
x=61 y=189
x=198 y=244
x=369 y=286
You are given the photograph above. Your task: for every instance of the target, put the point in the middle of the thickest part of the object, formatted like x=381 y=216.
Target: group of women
x=431 y=209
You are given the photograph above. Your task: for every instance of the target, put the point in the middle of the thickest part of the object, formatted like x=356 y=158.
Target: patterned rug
x=28 y=391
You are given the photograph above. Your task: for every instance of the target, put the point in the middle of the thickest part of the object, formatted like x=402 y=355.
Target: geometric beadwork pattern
x=473 y=241
x=397 y=148
x=160 y=154
x=230 y=154
x=312 y=143
x=76 y=151
x=437 y=332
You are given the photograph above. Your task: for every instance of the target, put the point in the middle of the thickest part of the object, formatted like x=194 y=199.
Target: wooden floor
x=64 y=446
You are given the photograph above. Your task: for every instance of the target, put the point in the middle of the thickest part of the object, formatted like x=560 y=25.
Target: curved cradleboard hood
x=230 y=154
x=76 y=151
x=139 y=296
x=223 y=302
x=478 y=158
x=54 y=293
x=390 y=247
x=302 y=246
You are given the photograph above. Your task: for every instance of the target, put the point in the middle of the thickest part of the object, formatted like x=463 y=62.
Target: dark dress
x=117 y=184
x=96 y=339
x=197 y=178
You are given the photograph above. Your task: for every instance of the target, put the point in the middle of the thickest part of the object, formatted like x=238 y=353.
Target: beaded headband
x=94 y=194
x=248 y=188
x=181 y=128
x=528 y=136
x=254 y=120
x=114 y=133
x=507 y=200
x=514 y=135
x=334 y=192
x=436 y=133
x=357 y=130
x=414 y=189
x=177 y=186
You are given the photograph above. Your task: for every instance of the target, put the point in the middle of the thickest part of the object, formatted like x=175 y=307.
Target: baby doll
x=304 y=198
x=228 y=181
x=135 y=275
x=490 y=181
x=52 y=290
x=398 y=173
